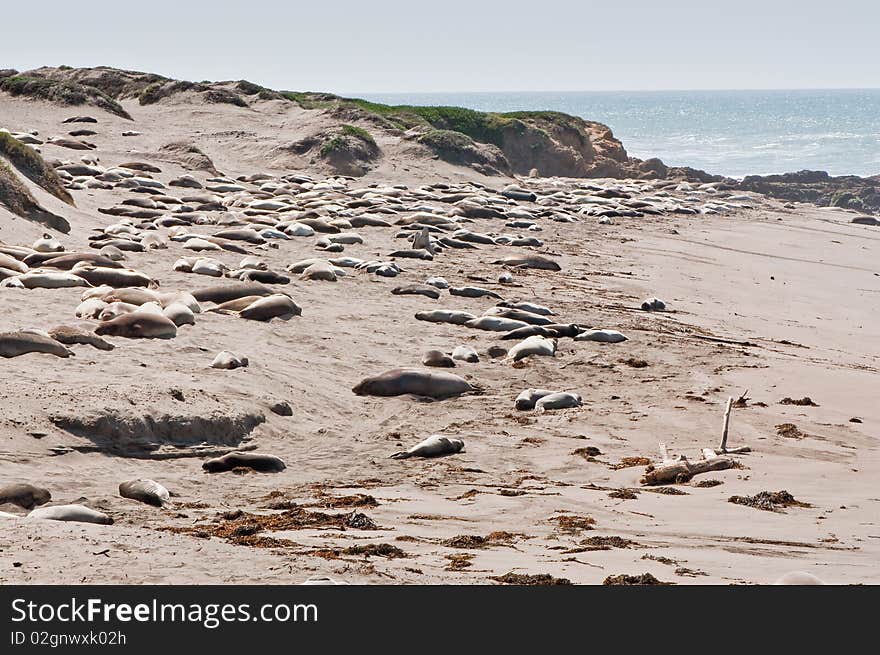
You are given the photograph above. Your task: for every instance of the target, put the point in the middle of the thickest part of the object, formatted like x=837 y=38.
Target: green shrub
x=32 y=166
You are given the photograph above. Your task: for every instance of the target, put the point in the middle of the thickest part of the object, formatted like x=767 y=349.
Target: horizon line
x=671 y=90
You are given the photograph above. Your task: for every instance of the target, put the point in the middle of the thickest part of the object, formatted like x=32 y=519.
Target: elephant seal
x=559 y=400
x=76 y=513
x=90 y=308
x=224 y=293
x=495 y=324
x=13 y=344
x=413 y=254
x=179 y=314
x=418 y=382
x=527 y=307
x=437 y=359
x=235 y=305
x=534 y=345
x=24 y=495
x=227 y=360
x=439 y=282
x=255 y=461
x=552 y=331
x=518 y=315
x=12 y=264
x=47 y=243
x=69 y=335
x=145 y=491
x=319 y=271
x=138 y=325
x=37 y=279
x=68 y=261
x=529 y=261
x=417 y=290
x=473 y=292
x=465 y=354
x=445 y=316
x=653 y=305
x=602 y=336
x=130 y=295
x=798 y=578
x=113 y=277
x=505 y=278
x=527 y=399
x=433 y=446
x=117 y=308
x=275 y=306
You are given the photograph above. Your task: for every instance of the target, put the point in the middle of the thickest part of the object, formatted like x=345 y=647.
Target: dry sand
x=801 y=285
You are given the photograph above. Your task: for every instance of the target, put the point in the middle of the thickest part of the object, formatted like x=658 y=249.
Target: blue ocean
x=734 y=133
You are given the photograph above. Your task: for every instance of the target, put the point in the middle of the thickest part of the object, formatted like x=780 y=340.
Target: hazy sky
x=454 y=45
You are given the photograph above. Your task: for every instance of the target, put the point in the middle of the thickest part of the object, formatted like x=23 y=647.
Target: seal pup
x=473 y=292
x=13 y=344
x=24 y=495
x=433 y=446
x=229 y=361
x=418 y=382
x=255 y=461
x=529 y=261
x=145 y=491
x=138 y=325
x=558 y=400
x=465 y=354
x=437 y=359
x=527 y=399
x=179 y=314
x=47 y=243
x=534 y=345
x=77 y=513
x=439 y=282
x=602 y=336
x=653 y=305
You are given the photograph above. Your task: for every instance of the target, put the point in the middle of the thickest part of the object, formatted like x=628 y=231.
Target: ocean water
x=734 y=133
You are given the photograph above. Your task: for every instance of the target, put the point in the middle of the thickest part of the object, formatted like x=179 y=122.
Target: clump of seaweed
x=769 y=501
x=531 y=580
x=643 y=579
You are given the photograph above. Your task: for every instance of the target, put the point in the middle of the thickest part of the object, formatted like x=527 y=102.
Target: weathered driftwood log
x=683 y=470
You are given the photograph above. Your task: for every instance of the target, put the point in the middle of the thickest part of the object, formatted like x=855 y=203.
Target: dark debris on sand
x=769 y=501
x=540 y=579
x=476 y=541
x=643 y=579
x=806 y=401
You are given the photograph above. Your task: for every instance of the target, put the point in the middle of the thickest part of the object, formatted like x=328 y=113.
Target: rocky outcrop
x=458 y=148
x=819 y=188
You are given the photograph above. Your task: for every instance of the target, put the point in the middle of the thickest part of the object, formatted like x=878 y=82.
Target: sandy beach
x=763 y=300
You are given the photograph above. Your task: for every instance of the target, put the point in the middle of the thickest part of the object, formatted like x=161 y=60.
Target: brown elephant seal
x=255 y=461
x=113 y=277
x=13 y=344
x=518 y=315
x=529 y=261
x=24 y=495
x=417 y=290
x=235 y=305
x=70 y=335
x=320 y=270
x=145 y=491
x=437 y=359
x=418 y=382
x=275 y=306
x=138 y=325
x=68 y=261
x=130 y=295
x=76 y=513
x=433 y=446
x=225 y=293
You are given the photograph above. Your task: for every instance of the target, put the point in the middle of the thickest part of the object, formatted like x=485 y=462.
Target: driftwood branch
x=726 y=425
x=684 y=470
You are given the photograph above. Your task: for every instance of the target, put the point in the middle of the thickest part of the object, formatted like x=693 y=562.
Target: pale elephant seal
x=69 y=335
x=518 y=315
x=145 y=491
x=445 y=316
x=323 y=580
x=473 y=292
x=534 y=345
x=179 y=314
x=465 y=354
x=275 y=306
x=417 y=290
x=11 y=263
x=115 y=309
x=418 y=382
x=229 y=361
x=112 y=253
x=76 y=513
x=495 y=324
x=13 y=344
x=138 y=325
x=47 y=243
x=235 y=305
x=433 y=446
x=602 y=336
x=37 y=279
x=131 y=295
x=24 y=495
x=90 y=308
x=505 y=278
x=527 y=307
x=323 y=271
x=255 y=461
x=438 y=282
x=653 y=305
x=527 y=399
x=221 y=294
x=559 y=400
x=529 y=261
x=799 y=578
x=437 y=359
